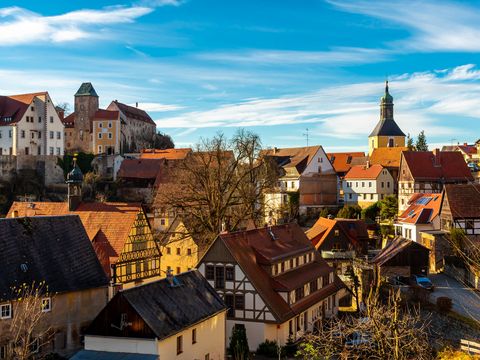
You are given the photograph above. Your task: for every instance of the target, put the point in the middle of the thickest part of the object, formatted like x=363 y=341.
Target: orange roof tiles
x=364 y=172
x=27 y=98
x=354 y=229
x=342 y=161
x=422 y=209
x=167 y=154
x=387 y=156
x=107 y=224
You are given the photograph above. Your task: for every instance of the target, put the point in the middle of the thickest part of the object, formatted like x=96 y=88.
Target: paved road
x=465 y=300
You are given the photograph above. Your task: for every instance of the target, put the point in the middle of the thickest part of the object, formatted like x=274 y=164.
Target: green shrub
x=269 y=348
x=239 y=343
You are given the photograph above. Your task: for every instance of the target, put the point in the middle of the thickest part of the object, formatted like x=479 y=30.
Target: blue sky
x=276 y=67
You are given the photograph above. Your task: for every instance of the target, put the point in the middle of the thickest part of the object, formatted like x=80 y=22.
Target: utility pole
x=306 y=134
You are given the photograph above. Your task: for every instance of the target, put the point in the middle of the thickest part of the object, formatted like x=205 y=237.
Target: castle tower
x=387 y=133
x=74 y=183
x=86 y=104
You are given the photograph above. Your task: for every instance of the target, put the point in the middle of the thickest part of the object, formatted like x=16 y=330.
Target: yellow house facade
x=106 y=132
x=387 y=133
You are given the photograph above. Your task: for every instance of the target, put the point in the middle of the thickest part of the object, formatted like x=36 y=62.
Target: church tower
x=387 y=133
x=86 y=104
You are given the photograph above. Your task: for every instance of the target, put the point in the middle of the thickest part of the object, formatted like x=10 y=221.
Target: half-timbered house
x=180 y=317
x=428 y=172
x=273 y=282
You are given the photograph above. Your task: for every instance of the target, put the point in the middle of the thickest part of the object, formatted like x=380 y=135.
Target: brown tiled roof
x=395 y=247
x=364 y=172
x=69 y=121
x=451 y=166
x=27 y=98
x=360 y=160
x=423 y=209
x=253 y=247
x=354 y=229
x=102 y=114
x=463 y=199
x=107 y=224
x=298 y=158
x=167 y=154
x=140 y=168
x=134 y=113
x=342 y=162
x=387 y=156
x=11 y=110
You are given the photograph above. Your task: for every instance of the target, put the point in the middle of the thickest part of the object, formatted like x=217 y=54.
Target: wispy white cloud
x=157 y=107
x=434 y=25
x=335 y=56
x=351 y=111
x=20 y=26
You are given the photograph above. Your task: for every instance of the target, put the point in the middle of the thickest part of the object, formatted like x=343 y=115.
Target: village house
x=365 y=185
x=51 y=254
x=469 y=151
x=120 y=232
x=119 y=128
x=428 y=172
x=422 y=214
x=386 y=133
x=30 y=125
x=180 y=317
x=342 y=162
x=389 y=158
x=308 y=181
x=273 y=282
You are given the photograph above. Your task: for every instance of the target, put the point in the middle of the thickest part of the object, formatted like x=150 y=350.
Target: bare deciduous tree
x=219 y=186
x=386 y=331
x=29 y=330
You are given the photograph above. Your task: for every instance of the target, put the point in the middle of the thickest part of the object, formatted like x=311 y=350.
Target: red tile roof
x=102 y=114
x=140 y=168
x=69 y=121
x=445 y=166
x=167 y=154
x=342 y=161
x=423 y=209
x=134 y=113
x=107 y=224
x=252 y=248
x=463 y=200
x=364 y=172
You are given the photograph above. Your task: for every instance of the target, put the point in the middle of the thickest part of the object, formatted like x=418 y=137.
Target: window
x=229 y=304
x=10 y=133
x=6 y=311
x=371 y=196
x=100 y=149
x=299 y=293
x=50 y=150
x=46 y=304
x=27 y=151
x=22 y=134
x=369 y=184
x=207 y=356
x=100 y=124
x=388 y=184
x=179 y=344
x=32 y=108
x=39 y=119
x=162 y=221
x=194 y=336
x=219 y=277
x=39 y=134
x=313 y=286
x=239 y=302
x=0 y=134
x=51 y=119
x=363 y=184
x=109 y=124
x=3 y=352
x=337 y=232
x=51 y=134
x=350 y=196
x=109 y=135
x=178 y=251
x=383 y=184
x=99 y=135
x=58 y=151
x=210 y=272
x=189 y=252
x=229 y=273
x=59 y=135
x=178 y=270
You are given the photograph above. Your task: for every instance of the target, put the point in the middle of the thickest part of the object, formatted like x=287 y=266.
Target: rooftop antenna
x=306 y=135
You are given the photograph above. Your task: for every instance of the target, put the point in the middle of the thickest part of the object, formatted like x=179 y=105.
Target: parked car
x=473 y=167
x=422 y=281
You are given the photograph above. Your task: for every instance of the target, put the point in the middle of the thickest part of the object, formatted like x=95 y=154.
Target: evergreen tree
x=238 y=348
x=410 y=145
x=350 y=212
x=389 y=207
x=421 y=144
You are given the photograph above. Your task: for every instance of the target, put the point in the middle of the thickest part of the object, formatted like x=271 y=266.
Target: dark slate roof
x=387 y=127
x=104 y=355
x=54 y=249
x=167 y=309
x=86 y=89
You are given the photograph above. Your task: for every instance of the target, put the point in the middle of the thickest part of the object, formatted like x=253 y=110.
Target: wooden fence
x=472 y=347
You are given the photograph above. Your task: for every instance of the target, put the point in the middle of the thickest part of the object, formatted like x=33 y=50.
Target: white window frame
x=47 y=300
x=5 y=306
x=99 y=135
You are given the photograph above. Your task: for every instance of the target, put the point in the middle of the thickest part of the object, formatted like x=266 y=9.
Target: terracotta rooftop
x=463 y=199
x=134 y=112
x=253 y=248
x=167 y=154
x=354 y=229
x=387 y=156
x=364 y=172
x=140 y=168
x=422 y=209
x=342 y=162
x=107 y=224
x=437 y=166
x=27 y=98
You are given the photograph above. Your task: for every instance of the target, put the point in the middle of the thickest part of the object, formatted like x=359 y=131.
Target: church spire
x=386 y=105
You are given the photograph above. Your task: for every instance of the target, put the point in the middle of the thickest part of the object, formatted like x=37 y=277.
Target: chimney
x=136 y=104
x=436 y=157
x=367 y=165
x=275 y=150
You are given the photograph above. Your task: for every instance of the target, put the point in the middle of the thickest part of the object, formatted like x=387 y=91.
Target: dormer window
x=5 y=311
